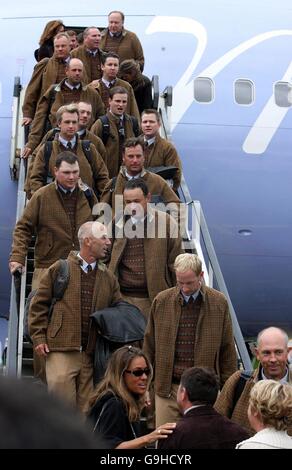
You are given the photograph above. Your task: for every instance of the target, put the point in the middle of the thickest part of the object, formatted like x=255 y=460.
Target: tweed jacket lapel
x=100 y=267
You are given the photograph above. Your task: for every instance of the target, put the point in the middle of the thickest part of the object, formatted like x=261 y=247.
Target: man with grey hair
x=68 y=340
x=90 y=54
x=189 y=325
x=71 y=89
x=272 y=354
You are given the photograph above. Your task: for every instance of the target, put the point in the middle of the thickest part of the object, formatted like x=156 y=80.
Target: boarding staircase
x=196 y=239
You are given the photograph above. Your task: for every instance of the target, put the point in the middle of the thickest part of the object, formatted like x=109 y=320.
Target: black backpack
x=47 y=155
x=59 y=287
x=106 y=127
x=243 y=378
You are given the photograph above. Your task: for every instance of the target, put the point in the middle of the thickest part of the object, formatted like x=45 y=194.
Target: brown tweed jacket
x=132 y=107
x=129 y=47
x=164 y=153
x=96 y=141
x=94 y=175
x=44 y=75
x=63 y=333
x=157 y=187
x=224 y=403
x=45 y=214
x=88 y=94
x=81 y=53
x=159 y=253
x=214 y=344
x=112 y=144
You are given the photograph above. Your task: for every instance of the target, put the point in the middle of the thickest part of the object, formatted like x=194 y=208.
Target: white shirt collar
x=149 y=141
x=115 y=35
x=107 y=82
x=71 y=86
x=92 y=52
x=284 y=380
x=130 y=177
x=120 y=118
x=192 y=408
x=65 y=142
x=187 y=297
x=85 y=264
x=65 y=190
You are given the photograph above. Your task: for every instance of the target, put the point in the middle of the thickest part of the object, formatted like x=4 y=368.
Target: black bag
x=59 y=287
x=106 y=127
x=243 y=378
x=166 y=172
x=120 y=324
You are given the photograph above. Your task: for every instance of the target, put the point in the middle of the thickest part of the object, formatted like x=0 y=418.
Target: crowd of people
x=96 y=163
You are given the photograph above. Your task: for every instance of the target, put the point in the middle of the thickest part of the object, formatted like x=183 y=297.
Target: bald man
x=68 y=340
x=272 y=354
x=70 y=90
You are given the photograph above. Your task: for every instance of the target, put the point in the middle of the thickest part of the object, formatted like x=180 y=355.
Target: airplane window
x=283 y=94
x=204 y=90
x=244 y=92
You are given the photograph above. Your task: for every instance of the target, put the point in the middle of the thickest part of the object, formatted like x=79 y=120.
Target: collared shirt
x=115 y=35
x=187 y=297
x=65 y=190
x=92 y=53
x=149 y=216
x=65 y=142
x=123 y=171
x=107 y=83
x=192 y=408
x=136 y=221
x=120 y=118
x=284 y=380
x=84 y=264
x=81 y=132
x=72 y=87
x=131 y=177
x=149 y=141
x=64 y=61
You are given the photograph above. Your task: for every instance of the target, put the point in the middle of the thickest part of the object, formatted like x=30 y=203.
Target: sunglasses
x=139 y=372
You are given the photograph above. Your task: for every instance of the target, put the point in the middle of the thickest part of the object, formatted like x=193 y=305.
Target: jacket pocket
x=55 y=325
x=44 y=243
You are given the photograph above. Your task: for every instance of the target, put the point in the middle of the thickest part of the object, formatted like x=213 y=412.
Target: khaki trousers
x=37 y=274
x=143 y=303
x=70 y=376
x=39 y=364
x=167 y=410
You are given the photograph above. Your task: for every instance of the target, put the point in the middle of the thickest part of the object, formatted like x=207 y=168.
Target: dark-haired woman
x=119 y=398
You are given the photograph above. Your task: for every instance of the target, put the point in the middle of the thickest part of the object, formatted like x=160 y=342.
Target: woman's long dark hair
x=114 y=382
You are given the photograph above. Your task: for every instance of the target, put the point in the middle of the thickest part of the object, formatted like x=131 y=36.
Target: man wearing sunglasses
x=189 y=325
